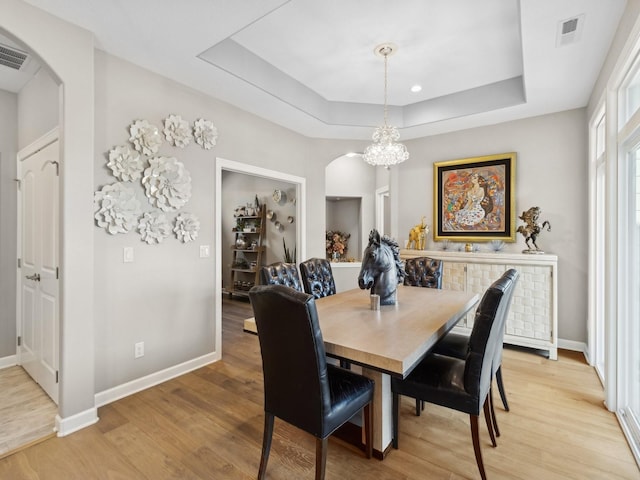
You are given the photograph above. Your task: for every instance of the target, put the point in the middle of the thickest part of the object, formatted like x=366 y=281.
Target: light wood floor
x=27 y=414
x=208 y=425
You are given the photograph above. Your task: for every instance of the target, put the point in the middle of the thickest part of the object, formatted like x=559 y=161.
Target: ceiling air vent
x=12 y=58
x=569 y=30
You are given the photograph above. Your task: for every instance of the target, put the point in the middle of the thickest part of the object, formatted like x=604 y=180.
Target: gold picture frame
x=474 y=199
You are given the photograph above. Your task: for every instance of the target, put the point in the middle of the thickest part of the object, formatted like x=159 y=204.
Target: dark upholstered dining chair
x=317 y=277
x=461 y=384
x=280 y=273
x=457 y=345
x=299 y=386
x=423 y=272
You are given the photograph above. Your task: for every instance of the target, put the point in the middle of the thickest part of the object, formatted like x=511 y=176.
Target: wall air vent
x=12 y=58
x=569 y=30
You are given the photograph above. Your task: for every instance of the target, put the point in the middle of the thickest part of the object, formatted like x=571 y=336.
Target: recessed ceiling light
x=416 y=88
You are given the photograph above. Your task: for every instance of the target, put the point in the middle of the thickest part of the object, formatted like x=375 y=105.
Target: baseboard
x=68 y=425
x=573 y=346
x=116 y=393
x=10 y=361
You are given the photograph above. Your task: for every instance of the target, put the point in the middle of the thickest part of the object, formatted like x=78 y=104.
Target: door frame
x=47 y=139
x=300 y=223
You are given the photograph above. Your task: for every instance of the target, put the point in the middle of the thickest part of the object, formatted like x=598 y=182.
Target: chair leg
x=266 y=444
x=487 y=417
x=476 y=445
x=395 y=414
x=418 y=409
x=368 y=429
x=493 y=413
x=503 y=395
x=321 y=457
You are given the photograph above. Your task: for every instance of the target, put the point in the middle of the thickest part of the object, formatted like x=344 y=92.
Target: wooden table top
x=396 y=337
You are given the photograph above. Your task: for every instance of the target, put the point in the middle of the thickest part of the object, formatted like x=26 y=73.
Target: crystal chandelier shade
x=385 y=150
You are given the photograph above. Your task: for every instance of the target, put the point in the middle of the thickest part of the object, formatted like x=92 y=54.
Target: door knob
x=35 y=277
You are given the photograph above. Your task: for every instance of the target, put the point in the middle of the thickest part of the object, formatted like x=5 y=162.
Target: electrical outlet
x=139 y=350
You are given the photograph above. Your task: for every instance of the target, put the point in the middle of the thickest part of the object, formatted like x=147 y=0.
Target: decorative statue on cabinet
x=418 y=236
x=532 y=229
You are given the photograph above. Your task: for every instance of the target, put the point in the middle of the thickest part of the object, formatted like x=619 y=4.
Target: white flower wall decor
x=177 y=131
x=205 y=133
x=186 y=227
x=125 y=163
x=145 y=137
x=117 y=208
x=153 y=227
x=167 y=183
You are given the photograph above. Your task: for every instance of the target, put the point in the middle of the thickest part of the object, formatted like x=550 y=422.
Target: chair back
x=317 y=277
x=513 y=275
x=423 y=272
x=486 y=335
x=280 y=273
x=296 y=387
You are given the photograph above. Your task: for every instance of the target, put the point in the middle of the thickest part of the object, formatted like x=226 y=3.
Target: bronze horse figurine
x=532 y=229
x=381 y=270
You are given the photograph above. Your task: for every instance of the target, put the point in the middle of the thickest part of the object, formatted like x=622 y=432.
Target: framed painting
x=474 y=199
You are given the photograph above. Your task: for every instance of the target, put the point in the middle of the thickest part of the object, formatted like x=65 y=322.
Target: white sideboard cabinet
x=533 y=317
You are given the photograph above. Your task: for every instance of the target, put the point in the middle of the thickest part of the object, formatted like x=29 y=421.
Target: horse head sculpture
x=381 y=270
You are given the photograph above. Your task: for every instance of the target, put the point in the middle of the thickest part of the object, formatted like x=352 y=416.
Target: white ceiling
x=310 y=66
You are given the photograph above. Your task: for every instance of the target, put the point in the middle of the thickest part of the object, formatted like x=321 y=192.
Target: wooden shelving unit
x=247 y=260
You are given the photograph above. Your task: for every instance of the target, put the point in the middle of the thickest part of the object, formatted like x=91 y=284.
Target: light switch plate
x=204 y=251
x=127 y=255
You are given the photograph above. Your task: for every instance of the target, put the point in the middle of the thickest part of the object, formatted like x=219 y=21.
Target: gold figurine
x=418 y=236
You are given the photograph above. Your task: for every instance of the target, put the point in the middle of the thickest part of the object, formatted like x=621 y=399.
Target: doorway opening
x=297 y=187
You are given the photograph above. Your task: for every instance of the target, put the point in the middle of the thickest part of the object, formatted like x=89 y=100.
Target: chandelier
x=385 y=150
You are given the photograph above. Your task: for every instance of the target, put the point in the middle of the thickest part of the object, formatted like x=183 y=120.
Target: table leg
x=382 y=414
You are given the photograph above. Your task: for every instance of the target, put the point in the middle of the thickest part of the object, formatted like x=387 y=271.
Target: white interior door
x=38 y=273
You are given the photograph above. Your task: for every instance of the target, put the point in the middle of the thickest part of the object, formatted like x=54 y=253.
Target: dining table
x=388 y=341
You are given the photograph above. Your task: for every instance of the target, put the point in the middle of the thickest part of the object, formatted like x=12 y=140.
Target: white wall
x=551 y=172
x=8 y=223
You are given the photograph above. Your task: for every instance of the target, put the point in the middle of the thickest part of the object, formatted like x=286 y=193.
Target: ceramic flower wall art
x=125 y=163
x=145 y=137
x=167 y=183
x=205 y=133
x=177 y=131
x=153 y=227
x=117 y=208
x=186 y=227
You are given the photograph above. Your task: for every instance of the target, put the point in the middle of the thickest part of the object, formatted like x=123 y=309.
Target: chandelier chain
x=386 y=56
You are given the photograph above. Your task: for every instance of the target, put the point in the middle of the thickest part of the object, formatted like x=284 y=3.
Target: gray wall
x=38 y=108
x=165 y=297
x=8 y=224
x=551 y=172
